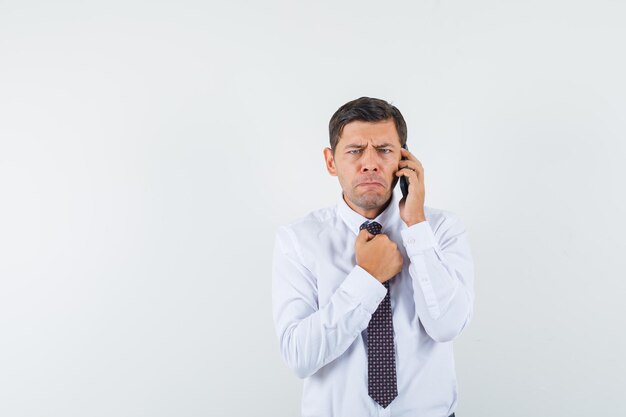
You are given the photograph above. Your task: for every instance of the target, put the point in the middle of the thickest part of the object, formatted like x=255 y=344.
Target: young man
x=369 y=294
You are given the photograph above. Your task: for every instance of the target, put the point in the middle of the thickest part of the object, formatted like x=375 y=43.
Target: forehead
x=361 y=132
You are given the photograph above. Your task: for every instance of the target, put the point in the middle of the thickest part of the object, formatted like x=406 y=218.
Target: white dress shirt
x=322 y=303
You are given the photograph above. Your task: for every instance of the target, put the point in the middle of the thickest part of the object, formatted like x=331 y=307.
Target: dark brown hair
x=365 y=109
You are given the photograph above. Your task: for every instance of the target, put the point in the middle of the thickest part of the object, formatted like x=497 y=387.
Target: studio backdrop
x=150 y=150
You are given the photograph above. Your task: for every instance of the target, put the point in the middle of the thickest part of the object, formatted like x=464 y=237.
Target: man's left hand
x=412 y=207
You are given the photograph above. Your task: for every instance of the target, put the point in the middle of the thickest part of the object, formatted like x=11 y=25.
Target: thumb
x=363 y=237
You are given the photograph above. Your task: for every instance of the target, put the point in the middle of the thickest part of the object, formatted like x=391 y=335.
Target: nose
x=369 y=161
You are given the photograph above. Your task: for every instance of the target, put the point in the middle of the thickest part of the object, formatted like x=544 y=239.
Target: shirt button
x=411 y=241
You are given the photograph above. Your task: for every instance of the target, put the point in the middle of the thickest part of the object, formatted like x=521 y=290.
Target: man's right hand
x=378 y=255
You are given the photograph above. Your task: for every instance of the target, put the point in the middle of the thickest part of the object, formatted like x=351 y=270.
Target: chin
x=370 y=200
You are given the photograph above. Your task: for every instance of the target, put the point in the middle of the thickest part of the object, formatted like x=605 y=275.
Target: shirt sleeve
x=310 y=336
x=442 y=271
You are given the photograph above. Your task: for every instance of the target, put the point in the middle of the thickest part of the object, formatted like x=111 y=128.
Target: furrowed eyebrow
x=357 y=146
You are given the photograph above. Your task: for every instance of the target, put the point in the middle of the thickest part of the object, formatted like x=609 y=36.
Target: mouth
x=370 y=184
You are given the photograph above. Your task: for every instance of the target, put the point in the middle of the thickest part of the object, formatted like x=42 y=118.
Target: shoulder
x=307 y=227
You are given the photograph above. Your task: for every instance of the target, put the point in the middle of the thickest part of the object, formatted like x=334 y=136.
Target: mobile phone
x=404 y=181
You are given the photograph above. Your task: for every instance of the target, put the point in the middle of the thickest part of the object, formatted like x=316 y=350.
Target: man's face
x=366 y=160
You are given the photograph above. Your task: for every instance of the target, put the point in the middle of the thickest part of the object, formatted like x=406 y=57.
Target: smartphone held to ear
x=404 y=181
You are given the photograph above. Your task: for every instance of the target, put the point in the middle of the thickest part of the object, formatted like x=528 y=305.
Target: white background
x=149 y=150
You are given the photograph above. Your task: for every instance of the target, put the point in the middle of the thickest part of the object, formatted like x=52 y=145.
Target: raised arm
x=311 y=336
x=442 y=271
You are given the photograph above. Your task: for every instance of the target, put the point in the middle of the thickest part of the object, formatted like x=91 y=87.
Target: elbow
x=448 y=326
x=294 y=358
x=301 y=370
x=443 y=332
x=443 y=336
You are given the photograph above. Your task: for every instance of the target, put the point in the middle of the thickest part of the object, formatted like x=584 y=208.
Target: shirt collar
x=386 y=218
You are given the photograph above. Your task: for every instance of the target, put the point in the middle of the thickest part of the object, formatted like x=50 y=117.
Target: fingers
x=410 y=174
x=411 y=161
x=406 y=154
x=413 y=170
x=414 y=165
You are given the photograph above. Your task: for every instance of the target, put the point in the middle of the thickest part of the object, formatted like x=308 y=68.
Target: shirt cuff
x=363 y=287
x=418 y=238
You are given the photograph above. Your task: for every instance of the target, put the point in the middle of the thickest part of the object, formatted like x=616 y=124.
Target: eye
x=354 y=150
x=385 y=150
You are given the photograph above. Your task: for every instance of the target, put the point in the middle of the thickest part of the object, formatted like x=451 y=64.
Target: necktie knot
x=372 y=227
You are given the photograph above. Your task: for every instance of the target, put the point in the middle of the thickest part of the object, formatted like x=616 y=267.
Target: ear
x=330 y=162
